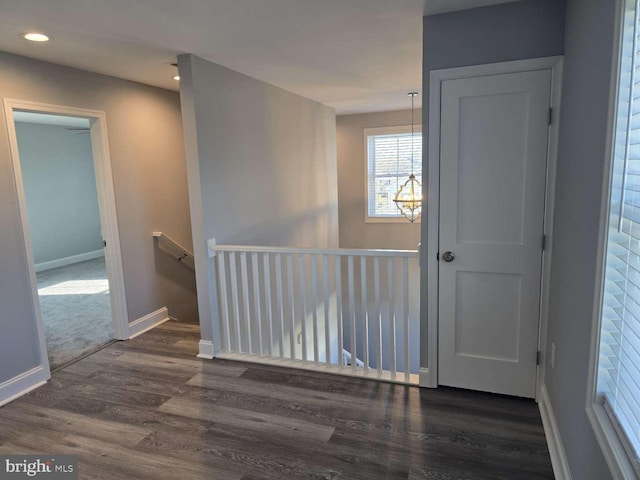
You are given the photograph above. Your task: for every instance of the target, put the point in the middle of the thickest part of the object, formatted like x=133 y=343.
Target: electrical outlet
x=553 y=355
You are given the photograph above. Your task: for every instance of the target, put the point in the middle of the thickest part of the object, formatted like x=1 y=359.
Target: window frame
x=388 y=130
x=603 y=423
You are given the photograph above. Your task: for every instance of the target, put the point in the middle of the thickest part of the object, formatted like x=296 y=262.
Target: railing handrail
x=184 y=253
x=356 y=252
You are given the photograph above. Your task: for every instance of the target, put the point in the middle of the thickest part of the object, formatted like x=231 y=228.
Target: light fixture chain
x=408 y=201
x=413 y=96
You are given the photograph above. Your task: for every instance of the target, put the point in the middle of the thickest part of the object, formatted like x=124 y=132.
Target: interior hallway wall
x=262 y=167
x=147 y=155
x=355 y=232
x=581 y=159
x=536 y=28
x=60 y=191
x=498 y=33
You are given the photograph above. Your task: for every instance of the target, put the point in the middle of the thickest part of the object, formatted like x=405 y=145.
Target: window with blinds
x=619 y=355
x=389 y=152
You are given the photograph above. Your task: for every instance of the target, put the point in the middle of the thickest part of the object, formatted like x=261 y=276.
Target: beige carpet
x=75 y=310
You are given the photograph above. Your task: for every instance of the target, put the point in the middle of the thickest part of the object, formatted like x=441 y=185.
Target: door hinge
x=538 y=357
x=550 y=116
x=104 y=243
x=544 y=242
x=437 y=256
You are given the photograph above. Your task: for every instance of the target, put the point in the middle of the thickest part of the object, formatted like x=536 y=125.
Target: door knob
x=448 y=256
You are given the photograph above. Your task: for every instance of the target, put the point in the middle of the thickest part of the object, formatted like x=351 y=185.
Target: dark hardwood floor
x=148 y=409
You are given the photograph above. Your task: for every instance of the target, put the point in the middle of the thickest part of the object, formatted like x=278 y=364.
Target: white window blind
x=619 y=360
x=389 y=166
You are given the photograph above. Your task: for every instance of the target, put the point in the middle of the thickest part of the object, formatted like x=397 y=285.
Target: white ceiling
x=354 y=55
x=48 y=119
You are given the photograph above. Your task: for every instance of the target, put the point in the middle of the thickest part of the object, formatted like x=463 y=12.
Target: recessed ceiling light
x=35 y=37
x=177 y=77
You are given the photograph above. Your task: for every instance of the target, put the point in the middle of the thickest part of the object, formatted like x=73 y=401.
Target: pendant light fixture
x=409 y=197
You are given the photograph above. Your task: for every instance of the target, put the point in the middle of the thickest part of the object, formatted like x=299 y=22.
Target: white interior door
x=493 y=158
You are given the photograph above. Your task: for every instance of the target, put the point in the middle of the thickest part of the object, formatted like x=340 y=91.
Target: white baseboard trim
x=146 y=323
x=205 y=348
x=554 y=442
x=61 y=262
x=23 y=383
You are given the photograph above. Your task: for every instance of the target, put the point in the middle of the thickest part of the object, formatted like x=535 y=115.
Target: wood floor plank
x=261 y=444
x=310 y=394
x=9 y=448
x=155 y=362
x=130 y=462
x=380 y=409
x=56 y=420
x=168 y=350
x=115 y=395
x=188 y=345
x=89 y=366
x=149 y=409
x=272 y=459
x=179 y=327
x=276 y=425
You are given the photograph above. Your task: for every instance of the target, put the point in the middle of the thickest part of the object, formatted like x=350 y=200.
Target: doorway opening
x=62 y=170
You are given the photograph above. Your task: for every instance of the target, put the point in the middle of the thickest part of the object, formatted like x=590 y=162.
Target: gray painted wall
x=500 y=33
x=147 y=155
x=60 y=190
x=535 y=29
x=262 y=166
x=582 y=155
x=352 y=196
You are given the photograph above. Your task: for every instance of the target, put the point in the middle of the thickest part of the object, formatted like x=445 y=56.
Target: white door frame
x=106 y=203
x=429 y=376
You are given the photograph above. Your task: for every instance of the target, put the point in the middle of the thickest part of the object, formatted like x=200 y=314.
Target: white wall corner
x=146 y=323
x=554 y=441
x=206 y=350
x=23 y=384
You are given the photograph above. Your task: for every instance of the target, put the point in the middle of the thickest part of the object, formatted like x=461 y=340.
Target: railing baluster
x=339 y=310
x=314 y=297
x=245 y=297
x=234 y=296
x=365 y=312
x=224 y=300
x=303 y=297
x=256 y=298
x=376 y=283
x=405 y=274
x=352 y=306
x=251 y=312
x=292 y=326
x=392 y=317
x=327 y=327
x=267 y=298
x=280 y=302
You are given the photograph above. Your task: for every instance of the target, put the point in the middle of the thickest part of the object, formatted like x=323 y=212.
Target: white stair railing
x=346 y=359
x=173 y=248
x=307 y=307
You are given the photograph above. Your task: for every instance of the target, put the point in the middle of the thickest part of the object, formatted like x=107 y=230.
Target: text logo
x=50 y=467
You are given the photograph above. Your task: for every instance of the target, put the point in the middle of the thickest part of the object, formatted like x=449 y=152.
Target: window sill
x=614 y=453
x=389 y=220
